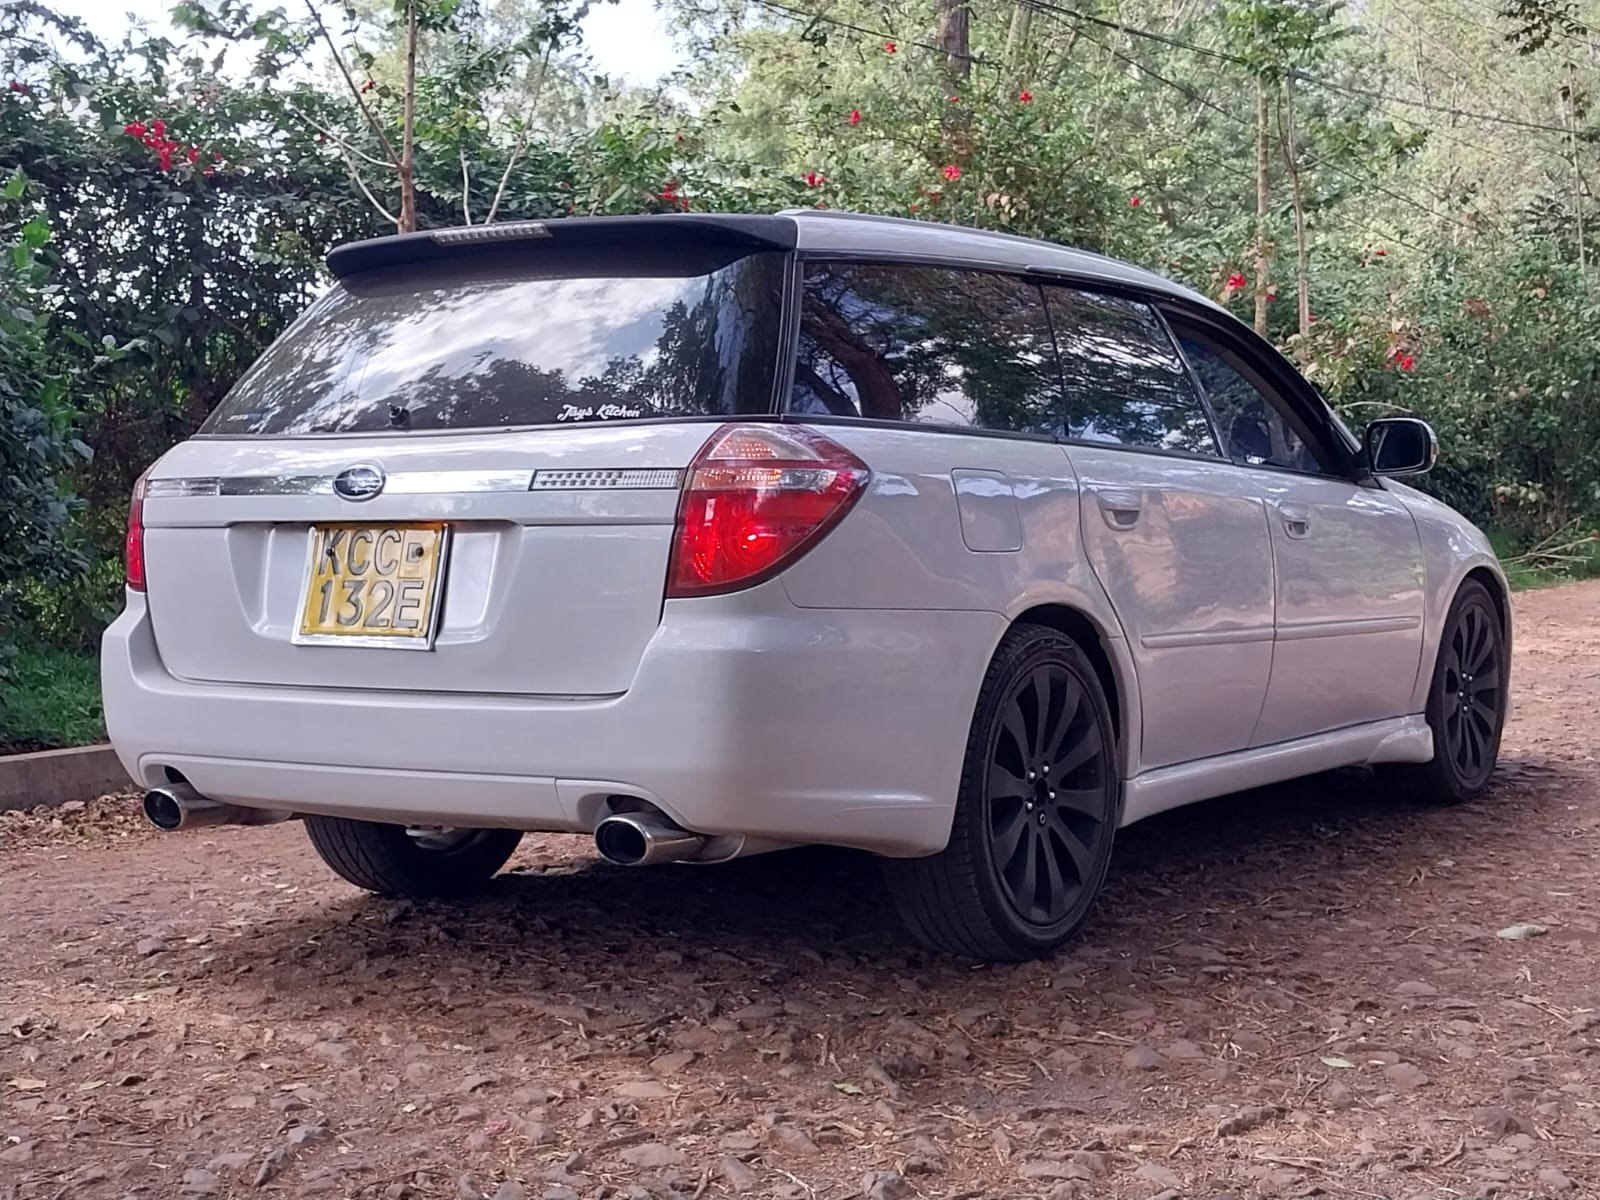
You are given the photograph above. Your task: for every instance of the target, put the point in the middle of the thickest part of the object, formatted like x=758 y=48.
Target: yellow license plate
x=374 y=585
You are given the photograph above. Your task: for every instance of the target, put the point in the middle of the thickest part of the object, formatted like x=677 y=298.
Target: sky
x=628 y=40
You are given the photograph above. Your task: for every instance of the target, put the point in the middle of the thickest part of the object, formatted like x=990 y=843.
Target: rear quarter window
x=928 y=345
x=595 y=339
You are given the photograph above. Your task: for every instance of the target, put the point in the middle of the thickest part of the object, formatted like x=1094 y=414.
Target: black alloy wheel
x=1036 y=814
x=1467 y=703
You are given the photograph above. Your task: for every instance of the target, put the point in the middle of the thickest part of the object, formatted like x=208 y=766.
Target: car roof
x=824 y=231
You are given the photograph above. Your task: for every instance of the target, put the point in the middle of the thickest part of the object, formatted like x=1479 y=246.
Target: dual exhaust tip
x=625 y=839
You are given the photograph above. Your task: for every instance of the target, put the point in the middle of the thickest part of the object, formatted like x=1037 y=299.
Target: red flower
x=194 y=153
x=216 y=156
x=368 y=86
x=1407 y=363
x=1025 y=97
x=952 y=172
x=134 y=129
x=889 y=47
x=166 y=157
x=955 y=99
x=855 y=116
x=1133 y=202
x=158 y=127
x=815 y=180
x=1236 y=281
x=1272 y=295
x=1381 y=252
x=17 y=86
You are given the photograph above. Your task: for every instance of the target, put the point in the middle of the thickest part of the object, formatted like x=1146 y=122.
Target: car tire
x=394 y=860
x=1466 y=707
x=1027 y=854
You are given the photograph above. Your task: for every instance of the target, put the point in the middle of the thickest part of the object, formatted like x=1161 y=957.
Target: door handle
x=1120 y=509
x=1296 y=519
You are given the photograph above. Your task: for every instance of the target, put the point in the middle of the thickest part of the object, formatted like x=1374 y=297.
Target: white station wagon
x=711 y=535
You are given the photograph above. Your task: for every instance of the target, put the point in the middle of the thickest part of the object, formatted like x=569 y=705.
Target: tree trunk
x=1263 y=198
x=408 y=184
x=954 y=34
x=1017 y=38
x=1577 y=170
x=1290 y=153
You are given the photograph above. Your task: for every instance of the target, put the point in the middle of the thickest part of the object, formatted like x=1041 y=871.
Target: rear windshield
x=604 y=338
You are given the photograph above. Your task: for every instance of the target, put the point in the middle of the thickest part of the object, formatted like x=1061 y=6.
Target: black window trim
x=1036 y=277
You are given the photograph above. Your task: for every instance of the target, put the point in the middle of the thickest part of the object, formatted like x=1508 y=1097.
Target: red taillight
x=133 y=548
x=757 y=497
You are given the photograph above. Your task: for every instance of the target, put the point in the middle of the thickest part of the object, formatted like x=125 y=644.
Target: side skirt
x=1397 y=740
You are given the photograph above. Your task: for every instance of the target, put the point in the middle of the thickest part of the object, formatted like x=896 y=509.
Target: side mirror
x=1400 y=446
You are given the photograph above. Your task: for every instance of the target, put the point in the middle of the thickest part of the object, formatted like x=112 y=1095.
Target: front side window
x=560 y=340
x=1253 y=430
x=928 y=345
x=1125 y=381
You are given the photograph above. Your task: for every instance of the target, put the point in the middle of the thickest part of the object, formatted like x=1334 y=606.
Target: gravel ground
x=1311 y=990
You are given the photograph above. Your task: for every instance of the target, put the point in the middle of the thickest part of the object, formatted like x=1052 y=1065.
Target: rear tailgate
x=552 y=581
x=470 y=447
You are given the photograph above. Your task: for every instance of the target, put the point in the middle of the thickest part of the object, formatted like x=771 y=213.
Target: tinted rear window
x=598 y=339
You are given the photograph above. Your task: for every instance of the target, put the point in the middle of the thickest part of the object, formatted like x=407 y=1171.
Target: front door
x=1177 y=535
x=1349 y=588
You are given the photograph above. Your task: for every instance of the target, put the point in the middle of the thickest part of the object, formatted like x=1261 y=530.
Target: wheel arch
x=1108 y=653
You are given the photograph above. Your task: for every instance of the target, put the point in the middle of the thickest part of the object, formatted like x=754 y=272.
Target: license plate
x=374 y=585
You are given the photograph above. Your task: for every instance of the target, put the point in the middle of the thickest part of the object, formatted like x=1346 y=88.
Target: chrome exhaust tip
x=175 y=806
x=640 y=839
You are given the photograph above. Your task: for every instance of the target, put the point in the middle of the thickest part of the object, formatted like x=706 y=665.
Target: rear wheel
x=1035 y=816
x=1466 y=703
x=419 y=861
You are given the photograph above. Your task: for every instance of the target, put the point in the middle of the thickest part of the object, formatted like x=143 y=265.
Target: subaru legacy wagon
x=706 y=536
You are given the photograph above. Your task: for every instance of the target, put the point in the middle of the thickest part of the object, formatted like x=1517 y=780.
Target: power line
x=821 y=18
x=1298 y=76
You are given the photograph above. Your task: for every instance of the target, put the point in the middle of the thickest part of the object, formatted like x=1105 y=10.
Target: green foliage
x=52 y=701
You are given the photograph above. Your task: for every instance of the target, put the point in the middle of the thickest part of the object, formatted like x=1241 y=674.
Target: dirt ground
x=1306 y=991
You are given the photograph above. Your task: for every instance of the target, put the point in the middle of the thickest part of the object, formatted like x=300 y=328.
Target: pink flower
x=1236 y=281
x=1407 y=363
x=855 y=116
x=955 y=99
x=1133 y=202
x=813 y=179
x=890 y=47
x=952 y=172
x=158 y=127
x=1025 y=97
x=134 y=129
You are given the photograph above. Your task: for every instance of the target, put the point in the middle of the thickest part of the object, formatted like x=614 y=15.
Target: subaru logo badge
x=361 y=482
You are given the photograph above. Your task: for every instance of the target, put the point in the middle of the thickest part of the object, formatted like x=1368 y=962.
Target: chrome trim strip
x=1207 y=637
x=427 y=483
x=1346 y=628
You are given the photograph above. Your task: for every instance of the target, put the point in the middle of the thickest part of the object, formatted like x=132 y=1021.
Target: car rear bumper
x=747 y=716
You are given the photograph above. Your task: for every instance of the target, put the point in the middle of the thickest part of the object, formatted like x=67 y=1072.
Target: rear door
x=1349 y=560
x=474 y=459
x=1177 y=535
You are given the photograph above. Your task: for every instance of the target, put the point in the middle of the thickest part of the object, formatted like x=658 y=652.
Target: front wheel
x=1466 y=703
x=416 y=861
x=1036 y=812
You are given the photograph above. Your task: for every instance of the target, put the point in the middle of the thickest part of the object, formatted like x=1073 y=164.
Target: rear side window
x=1125 y=382
x=598 y=338
x=930 y=345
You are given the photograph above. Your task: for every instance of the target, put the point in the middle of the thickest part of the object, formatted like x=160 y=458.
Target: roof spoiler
x=506 y=239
